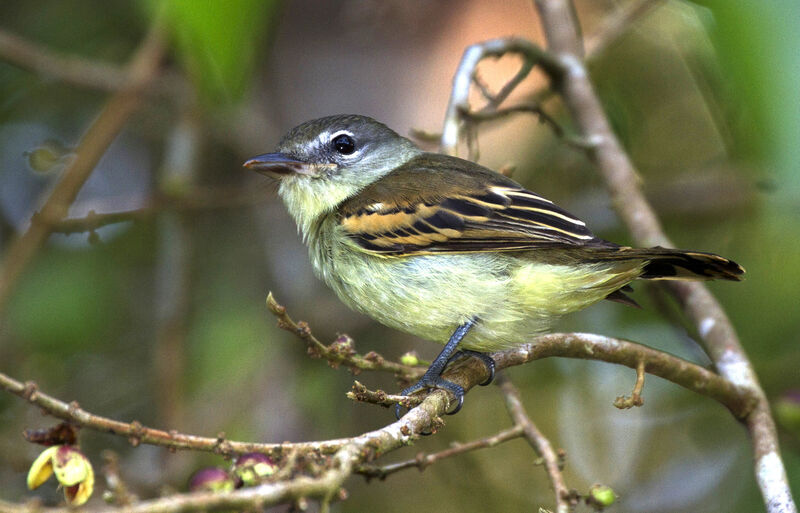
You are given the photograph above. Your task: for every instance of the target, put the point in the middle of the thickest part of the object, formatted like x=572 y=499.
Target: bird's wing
x=437 y=204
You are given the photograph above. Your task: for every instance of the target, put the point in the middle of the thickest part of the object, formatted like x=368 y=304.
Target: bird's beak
x=278 y=165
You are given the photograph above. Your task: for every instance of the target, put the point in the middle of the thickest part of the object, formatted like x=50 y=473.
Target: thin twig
x=340 y=351
x=635 y=399
x=613 y=27
x=193 y=199
x=78 y=71
x=564 y=498
x=508 y=88
x=467 y=374
x=245 y=499
x=463 y=79
x=570 y=345
x=117 y=491
x=467 y=74
x=362 y=394
x=70 y=69
x=423 y=461
x=531 y=108
x=139 y=73
x=624 y=185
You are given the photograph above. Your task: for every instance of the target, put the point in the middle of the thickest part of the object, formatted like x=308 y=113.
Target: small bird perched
x=446 y=249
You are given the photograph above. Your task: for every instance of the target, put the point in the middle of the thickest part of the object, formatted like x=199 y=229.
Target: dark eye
x=344 y=144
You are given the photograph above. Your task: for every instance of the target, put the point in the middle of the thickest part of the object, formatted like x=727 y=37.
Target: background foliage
x=163 y=319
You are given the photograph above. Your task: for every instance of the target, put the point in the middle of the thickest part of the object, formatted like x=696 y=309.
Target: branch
x=423 y=461
x=467 y=373
x=552 y=463
x=362 y=394
x=116 y=112
x=322 y=487
x=77 y=71
x=462 y=81
x=340 y=351
x=421 y=419
x=615 y=26
x=196 y=198
x=589 y=346
x=459 y=115
x=585 y=346
x=698 y=304
x=531 y=108
x=635 y=399
x=344 y=453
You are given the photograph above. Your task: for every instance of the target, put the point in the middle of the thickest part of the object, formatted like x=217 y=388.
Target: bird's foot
x=434 y=381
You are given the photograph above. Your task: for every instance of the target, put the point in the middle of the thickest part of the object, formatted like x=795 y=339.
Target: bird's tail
x=675 y=264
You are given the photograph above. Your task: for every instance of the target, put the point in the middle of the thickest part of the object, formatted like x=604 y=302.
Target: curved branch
x=355 y=451
x=622 y=181
x=740 y=400
x=468 y=374
x=463 y=79
x=540 y=444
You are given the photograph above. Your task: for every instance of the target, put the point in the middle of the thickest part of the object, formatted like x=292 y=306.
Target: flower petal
x=41 y=468
x=70 y=465
x=78 y=494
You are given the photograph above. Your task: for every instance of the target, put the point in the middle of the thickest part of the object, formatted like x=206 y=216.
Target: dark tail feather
x=618 y=296
x=676 y=264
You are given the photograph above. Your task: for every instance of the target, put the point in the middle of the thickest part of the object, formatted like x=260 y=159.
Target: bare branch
x=531 y=108
x=459 y=113
x=195 y=198
x=467 y=373
x=340 y=351
x=623 y=184
x=362 y=394
x=571 y=345
x=322 y=487
x=624 y=403
x=618 y=24
x=589 y=346
x=423 y=461
x=74 y=70
x=540 y=444
x=463 y=80
x=78 y=71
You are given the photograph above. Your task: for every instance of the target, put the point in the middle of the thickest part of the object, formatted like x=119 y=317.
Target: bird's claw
x=433 y=382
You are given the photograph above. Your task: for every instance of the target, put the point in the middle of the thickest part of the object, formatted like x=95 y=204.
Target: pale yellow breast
x=513 y=298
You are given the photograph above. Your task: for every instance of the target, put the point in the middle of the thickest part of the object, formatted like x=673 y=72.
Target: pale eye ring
x=344 y=144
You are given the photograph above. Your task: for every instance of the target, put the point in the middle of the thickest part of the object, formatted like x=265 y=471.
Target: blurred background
x=162 y=318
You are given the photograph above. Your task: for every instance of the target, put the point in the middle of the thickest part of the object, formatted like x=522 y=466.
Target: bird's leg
x=433 y=376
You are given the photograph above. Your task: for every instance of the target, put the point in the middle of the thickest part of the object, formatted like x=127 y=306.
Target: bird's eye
x=344 y=144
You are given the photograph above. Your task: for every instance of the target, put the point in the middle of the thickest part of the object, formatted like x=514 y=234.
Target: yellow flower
x=72 y=469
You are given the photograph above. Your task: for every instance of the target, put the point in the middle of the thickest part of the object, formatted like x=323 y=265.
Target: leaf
x=218 y=42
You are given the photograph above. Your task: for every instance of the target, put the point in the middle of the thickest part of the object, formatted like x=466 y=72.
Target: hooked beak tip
x=252 y=164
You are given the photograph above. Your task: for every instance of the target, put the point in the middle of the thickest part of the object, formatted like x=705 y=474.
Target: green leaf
x=218 y=42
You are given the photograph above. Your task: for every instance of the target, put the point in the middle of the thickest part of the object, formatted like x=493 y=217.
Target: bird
x=446 y=249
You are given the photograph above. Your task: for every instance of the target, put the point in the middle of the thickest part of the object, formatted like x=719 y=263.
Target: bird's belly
x=430 y=295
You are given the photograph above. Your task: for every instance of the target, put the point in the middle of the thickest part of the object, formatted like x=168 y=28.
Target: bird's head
x=325 y=161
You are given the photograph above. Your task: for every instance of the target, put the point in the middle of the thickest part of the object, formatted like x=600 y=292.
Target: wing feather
x=428 y=206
